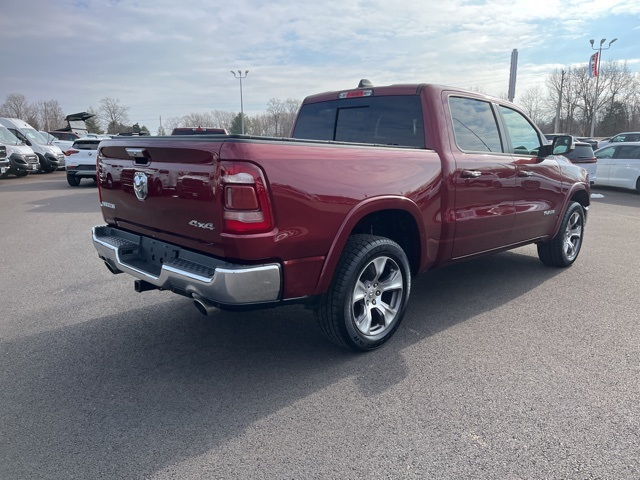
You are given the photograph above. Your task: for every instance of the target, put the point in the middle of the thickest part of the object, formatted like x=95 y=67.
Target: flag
x=593 y=65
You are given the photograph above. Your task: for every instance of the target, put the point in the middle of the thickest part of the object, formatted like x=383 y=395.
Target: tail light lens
x=586 y=160
x=99 y=176
x=246 y=205
x=71 y=151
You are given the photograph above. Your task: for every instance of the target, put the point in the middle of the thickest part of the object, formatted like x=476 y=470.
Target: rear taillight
x=586 y=160
x=71 y=151
x=99 y=176
x=246 y=206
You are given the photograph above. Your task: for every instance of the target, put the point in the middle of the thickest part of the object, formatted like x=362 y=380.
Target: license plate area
x=150 y=255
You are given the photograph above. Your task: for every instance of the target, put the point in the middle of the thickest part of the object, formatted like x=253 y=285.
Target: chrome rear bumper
x=170 y=267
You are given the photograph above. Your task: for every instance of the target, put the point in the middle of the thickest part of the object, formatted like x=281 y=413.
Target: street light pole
x=597 y=67
x=240 y=77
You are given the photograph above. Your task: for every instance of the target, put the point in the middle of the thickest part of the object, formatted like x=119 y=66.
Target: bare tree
x=222 y=118
x=16 y=106
x=112 y=113
x=261 y=125
x=532 y=102
x=172 y=122
x=281 y=115
x=214 y=119
x=49 y=115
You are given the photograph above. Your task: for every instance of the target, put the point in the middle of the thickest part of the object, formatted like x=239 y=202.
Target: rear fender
x=352 y=219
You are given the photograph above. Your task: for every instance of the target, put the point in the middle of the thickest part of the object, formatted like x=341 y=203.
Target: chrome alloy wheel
x=377 y=296
x=573 y=236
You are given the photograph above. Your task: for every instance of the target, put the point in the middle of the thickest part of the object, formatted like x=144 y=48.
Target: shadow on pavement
x=168 y=384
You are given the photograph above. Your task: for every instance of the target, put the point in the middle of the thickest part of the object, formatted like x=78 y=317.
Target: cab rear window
x=388 y=120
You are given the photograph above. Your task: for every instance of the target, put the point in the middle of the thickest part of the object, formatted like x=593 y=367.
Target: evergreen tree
x=236 y=125
x=614 y=121
x=92 y=123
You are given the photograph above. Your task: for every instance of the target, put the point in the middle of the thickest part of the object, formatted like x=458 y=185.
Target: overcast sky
x=170 y=58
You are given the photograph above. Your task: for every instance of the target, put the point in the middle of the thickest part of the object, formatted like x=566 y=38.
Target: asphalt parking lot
x=502 y=368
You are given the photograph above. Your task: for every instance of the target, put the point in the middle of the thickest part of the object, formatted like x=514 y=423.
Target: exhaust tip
x=201 y=308
x=204 y=307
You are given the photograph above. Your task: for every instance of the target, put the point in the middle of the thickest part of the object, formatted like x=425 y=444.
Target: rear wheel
x=368 y=295
x=563 y=249
x=73 y=180
x=22 y=173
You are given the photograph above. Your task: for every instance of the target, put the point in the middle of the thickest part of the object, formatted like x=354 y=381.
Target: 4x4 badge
x=140 y=185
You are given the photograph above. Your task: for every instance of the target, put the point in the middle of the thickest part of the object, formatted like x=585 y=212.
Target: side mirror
x=563 y=144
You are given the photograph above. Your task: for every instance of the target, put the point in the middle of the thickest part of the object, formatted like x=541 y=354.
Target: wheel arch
x=396 y=218
x=580 y=195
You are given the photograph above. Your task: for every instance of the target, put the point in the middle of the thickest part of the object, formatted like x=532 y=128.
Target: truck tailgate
x=163 y=187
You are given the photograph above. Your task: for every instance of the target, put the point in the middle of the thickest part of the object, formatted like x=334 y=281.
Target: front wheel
x=563 y=249
x=368 y=295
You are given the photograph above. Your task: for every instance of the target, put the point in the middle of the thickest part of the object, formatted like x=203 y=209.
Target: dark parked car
x=583 y=155
x=591 y=141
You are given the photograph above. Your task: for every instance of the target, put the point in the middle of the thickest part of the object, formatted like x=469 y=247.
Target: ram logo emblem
x=140 y=185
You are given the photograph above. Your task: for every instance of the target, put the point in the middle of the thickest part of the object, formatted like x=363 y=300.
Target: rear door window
x=629 y=151
x=474 y=125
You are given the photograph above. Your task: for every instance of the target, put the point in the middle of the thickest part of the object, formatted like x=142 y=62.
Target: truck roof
x=366 y=88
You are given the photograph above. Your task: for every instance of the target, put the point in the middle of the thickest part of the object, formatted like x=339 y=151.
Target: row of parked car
x=24 y=150
x=27 y=150
x=613 y=162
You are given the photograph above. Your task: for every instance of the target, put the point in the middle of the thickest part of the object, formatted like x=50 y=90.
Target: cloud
x=171 y=58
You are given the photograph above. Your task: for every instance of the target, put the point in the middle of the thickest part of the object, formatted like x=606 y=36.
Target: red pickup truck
x=376 y=185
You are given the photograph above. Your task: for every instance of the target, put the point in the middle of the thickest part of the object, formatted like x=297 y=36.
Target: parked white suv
x=81 y=159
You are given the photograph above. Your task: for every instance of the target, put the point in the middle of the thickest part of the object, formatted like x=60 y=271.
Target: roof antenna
x=364 y=83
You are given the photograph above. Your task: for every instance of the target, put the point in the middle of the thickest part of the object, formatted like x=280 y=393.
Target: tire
x=73 y=180
x=563 y=249
x=22 y=173
x=638 y=185
x=368 y=294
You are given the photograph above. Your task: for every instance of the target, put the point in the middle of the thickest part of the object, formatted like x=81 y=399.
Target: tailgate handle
x=140 y=154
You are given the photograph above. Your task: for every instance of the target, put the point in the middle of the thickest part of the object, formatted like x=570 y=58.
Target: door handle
x=470 y=174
